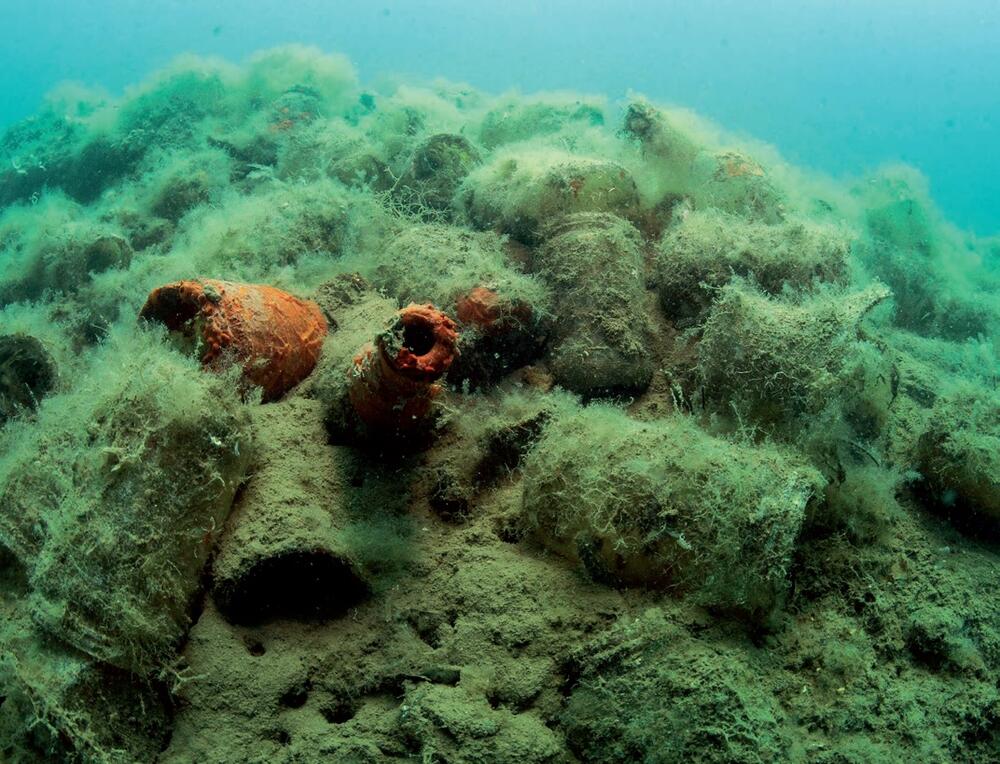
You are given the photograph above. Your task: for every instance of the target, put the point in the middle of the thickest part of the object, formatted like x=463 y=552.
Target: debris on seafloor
x=589 y=438
x=458 y=270
x=593 y=263
x=394 y=380
x=127 y=486
x=662 y=504
x=283 y=553
x=276 y=337
x=27 y=374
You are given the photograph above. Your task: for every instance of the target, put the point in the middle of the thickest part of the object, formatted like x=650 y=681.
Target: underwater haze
x=537 y=384
x=838 y=85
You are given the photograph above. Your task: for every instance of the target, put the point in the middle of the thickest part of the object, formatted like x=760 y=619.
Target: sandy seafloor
x=716 y=480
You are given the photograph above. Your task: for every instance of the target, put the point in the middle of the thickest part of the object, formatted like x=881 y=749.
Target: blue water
x=838 y=85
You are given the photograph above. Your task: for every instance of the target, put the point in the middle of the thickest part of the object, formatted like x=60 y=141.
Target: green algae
x=123 y=482
x=662 y=504
x=777 y=540
x=706 y=249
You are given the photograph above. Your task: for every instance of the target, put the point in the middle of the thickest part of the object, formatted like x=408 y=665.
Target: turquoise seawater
x=838 y=85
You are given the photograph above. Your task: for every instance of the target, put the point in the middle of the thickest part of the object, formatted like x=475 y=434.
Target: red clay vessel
x=393 y=381
x=275 y=336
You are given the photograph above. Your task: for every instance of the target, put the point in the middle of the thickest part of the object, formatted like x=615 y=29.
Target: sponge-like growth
x=393 y=381
x=112 y=500
x=593 y=264
x=517 y=192
x=275 y=336
x=664 y=504
x=709 y=247
x=777 y=358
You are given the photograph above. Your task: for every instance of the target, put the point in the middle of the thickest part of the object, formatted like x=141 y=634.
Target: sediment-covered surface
x=627 y=441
